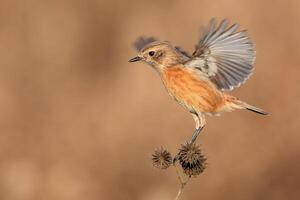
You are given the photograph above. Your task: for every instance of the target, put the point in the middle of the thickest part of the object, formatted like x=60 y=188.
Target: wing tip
x=143 y=41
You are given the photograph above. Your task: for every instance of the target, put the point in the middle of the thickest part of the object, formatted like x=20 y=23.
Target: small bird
x=223 y=59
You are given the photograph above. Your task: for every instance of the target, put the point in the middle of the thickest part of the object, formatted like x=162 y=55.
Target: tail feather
x=256 y=110
x=237 y=104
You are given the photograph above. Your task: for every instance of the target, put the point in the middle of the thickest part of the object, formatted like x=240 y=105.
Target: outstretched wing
x=224 y=54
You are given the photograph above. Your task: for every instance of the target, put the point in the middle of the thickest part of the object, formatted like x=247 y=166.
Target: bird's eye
x=151 y=53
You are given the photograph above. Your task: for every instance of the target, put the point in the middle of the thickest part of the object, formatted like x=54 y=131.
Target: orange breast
x=191 y=91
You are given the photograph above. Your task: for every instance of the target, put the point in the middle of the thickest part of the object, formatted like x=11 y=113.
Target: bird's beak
x=135 y=59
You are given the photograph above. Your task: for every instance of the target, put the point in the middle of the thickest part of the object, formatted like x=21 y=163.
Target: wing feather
x=224 y=54
x=142 y=41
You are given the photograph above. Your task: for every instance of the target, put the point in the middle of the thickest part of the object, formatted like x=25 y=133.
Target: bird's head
x=159 y=55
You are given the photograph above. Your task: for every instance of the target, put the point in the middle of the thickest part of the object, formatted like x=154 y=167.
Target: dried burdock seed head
x=191 y=159
x=161 y=158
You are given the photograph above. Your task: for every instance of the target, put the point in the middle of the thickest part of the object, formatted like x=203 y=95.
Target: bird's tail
x=237 y=104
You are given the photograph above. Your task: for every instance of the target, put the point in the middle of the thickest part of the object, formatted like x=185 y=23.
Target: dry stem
x=182 y=182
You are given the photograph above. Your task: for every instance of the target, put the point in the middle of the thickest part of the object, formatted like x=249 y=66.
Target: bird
x=223 y=59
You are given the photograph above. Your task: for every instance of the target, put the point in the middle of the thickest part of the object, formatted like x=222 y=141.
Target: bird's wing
x=224 y=54
x=183 y=52
x=142 y=42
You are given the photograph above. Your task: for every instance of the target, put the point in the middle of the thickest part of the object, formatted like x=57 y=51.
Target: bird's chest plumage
x=191 y=92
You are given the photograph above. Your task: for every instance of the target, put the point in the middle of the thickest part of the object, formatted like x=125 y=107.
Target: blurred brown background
x=79 y=122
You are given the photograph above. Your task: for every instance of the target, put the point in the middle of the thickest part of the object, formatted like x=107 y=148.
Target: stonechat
x=223 y=60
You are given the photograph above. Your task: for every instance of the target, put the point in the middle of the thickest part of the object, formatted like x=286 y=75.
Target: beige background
x=80 y=122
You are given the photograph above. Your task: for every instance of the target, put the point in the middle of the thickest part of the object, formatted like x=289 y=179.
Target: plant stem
x=182 y=183
x=180 y=190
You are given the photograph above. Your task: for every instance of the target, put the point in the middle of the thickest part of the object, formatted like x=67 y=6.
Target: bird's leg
x=195 y=134
x=200 y=123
